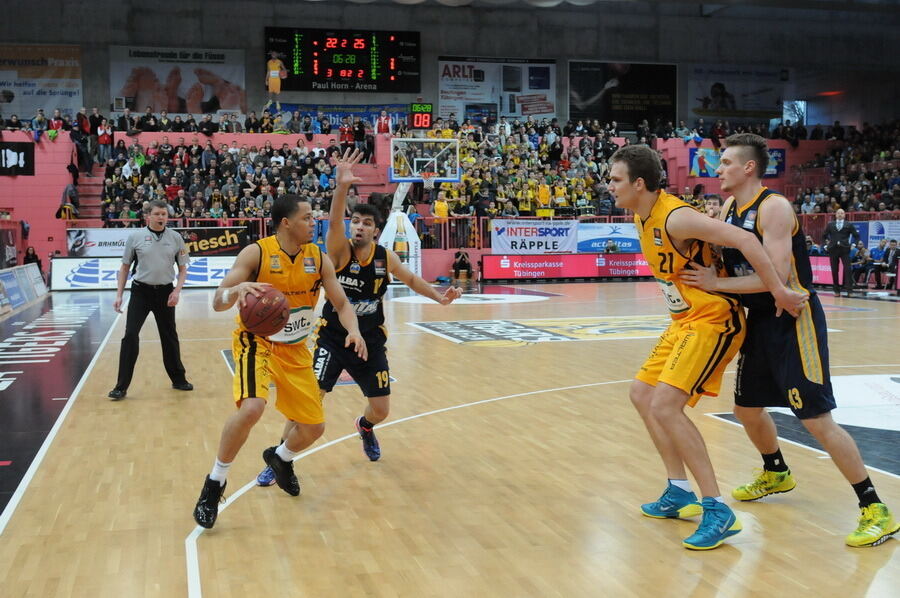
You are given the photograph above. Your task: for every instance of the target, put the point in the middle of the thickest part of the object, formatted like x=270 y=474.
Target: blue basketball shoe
x=370 y=443
x=719 y=522
x=266 y=477
x=673 y=503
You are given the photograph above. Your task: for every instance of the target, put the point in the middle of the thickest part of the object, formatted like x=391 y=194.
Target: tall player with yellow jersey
x=289 y=262
x=691 y=355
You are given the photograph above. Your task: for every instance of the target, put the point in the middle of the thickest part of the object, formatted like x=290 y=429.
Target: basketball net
x=428 y=180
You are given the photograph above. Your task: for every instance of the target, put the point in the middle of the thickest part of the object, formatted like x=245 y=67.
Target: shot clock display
x=347 y=60
x=420 y=116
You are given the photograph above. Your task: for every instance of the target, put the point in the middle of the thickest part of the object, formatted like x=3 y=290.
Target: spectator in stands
x=31 y=257
x=812 y=248
x=876 y=264
x=252 y=123
x=859 y=261
x=110 y=215
x=39 y=124
x=891 y=259
x=509 y=210
x=461 y=263
x=610 y=247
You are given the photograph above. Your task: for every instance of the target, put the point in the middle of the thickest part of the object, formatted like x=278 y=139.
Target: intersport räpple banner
x=46 y=77
x=515 y=236
x=180 y=80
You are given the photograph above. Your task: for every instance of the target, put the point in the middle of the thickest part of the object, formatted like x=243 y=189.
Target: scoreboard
x=347 y=60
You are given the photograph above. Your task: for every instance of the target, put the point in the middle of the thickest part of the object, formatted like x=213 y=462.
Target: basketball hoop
x=428 y=180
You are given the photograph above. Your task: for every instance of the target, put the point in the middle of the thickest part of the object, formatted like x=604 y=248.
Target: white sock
x=219 y=471
x=719 y=499
x=682 y=484
x=285 y=454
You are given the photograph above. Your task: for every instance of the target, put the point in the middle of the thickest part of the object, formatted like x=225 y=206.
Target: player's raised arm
x=419 y=284
x=344 y=308
x=690 y=224
x=335 y=240
x=240 y=280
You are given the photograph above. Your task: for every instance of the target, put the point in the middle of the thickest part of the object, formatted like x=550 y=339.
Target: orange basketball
x=267 y=314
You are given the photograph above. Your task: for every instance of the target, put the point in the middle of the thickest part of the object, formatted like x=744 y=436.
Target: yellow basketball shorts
x=274 y=84
x=258 y=362
x=693 y=355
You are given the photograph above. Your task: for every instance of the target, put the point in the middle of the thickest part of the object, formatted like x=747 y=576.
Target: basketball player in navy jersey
x=364 y=270
x=784 y=360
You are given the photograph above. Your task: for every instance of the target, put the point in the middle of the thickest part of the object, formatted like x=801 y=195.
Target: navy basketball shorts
x=330 y=358
x=784 y=362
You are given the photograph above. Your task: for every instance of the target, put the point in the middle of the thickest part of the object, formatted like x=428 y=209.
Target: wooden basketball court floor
x=509 y=468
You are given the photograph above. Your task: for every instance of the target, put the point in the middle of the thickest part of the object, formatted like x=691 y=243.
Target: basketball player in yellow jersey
x=288 y=261
x=691 y=355
x=274 y=71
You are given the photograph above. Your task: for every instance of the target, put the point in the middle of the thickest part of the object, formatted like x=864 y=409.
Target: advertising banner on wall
x=878 y=230
x=110 y=242
x=399 y=236
x=11 y=288
x=33 y=77
x=335 y=112
x=180 y=80
x=580 y=265
x=735 y=93
x=623 y=92
x=705 y=160
x=593 y=237
x=16 y=159
x=71 y=274
x=519 y=236
x=484 y=89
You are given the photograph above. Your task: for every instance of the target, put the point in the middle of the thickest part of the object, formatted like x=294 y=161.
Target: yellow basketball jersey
x=273 y=67
x=684 y=302
x=299 y=279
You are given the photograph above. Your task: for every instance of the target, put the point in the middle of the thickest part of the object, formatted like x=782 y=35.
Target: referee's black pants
x=840 y=255
x=144 y=300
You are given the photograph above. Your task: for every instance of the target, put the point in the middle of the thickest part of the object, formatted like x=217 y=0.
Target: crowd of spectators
x=863 y=171
x=516 y=168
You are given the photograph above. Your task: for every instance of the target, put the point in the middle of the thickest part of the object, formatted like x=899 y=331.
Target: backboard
x=411 y=157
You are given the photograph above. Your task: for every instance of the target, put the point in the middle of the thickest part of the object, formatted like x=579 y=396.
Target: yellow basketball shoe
x=766 y=482
x=876 y=524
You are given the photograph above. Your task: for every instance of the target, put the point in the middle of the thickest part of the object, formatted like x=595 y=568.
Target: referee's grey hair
x=158 y=203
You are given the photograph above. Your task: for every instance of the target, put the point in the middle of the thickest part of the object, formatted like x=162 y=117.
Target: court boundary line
x=795 y=443
x=45 y=446
x=192 y=561
x=190 y=542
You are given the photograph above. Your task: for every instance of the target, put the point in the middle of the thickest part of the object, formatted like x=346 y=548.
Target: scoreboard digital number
x=421 y=116
x=347 y=60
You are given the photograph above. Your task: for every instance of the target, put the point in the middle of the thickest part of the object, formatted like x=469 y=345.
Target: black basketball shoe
x=284 y=472
x=207 y=508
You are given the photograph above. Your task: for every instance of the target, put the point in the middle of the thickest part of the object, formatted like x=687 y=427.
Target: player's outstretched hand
x=451 y=295
x=359 y=345
x=702 y=277
x=344 y=166
x=253 y=288
x=790 y=301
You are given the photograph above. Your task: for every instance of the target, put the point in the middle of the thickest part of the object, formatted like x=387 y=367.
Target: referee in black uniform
x=151 y=253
